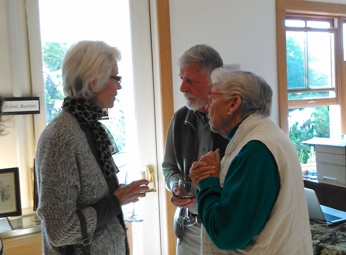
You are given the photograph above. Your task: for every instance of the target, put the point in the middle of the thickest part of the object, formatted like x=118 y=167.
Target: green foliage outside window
x=297 y=68
x=316 y=126
x=53 y=55
x=295 y=64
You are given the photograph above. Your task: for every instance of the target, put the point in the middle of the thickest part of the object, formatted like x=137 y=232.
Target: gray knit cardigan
x=70 y=179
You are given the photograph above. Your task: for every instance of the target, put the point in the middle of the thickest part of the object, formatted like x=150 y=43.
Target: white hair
x=86 y=62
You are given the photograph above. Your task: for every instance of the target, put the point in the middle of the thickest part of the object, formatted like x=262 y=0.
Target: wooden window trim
x=312 y=102
x=167 y=106
x=299 y=7
x=336 y=32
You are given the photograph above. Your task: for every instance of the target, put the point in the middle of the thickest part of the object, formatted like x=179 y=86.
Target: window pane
x=295 y=50
x=294 y=23
x=318 y=24
x=309 y=57
x=319 y=59
x=304 y=124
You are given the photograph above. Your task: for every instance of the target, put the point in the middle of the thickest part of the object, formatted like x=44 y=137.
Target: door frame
x=163 y=84
x=163 y=93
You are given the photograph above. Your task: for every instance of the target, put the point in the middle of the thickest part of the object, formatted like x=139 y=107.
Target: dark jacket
x=182 y=144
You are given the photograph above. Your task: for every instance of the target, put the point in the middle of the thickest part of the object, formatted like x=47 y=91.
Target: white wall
x=243 y=32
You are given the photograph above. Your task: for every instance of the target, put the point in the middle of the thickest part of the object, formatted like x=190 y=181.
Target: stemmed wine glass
x=187 y=190
x=130 y=177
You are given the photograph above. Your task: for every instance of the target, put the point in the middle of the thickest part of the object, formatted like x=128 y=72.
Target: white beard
x=194 y=105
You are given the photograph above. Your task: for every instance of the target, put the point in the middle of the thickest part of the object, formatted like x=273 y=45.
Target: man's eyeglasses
x=116 y=78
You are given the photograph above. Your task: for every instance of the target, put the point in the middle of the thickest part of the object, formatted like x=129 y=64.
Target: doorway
x=125 y=25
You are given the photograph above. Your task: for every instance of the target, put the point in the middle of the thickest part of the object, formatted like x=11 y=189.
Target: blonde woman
x=80 y=197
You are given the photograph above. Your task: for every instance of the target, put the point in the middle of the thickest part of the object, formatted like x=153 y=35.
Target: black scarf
x=89 y=114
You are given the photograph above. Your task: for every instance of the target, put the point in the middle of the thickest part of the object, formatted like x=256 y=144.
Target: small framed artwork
x=10 y=204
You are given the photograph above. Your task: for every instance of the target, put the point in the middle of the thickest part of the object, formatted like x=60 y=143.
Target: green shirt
x=235 y=213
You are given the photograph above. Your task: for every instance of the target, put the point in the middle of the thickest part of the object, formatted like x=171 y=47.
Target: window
x=311 y=73
x=310 y=54
x=310 y=60
x=55 y=45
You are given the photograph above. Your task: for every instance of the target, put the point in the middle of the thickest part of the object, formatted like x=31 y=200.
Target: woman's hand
x=132 y=192
x=208 y=165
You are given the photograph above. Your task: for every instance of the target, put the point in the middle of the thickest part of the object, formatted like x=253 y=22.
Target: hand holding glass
x=130 y=177
x=187 y=190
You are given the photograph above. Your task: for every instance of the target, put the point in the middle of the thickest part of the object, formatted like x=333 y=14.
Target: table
x=22 y=234
x=328 y=239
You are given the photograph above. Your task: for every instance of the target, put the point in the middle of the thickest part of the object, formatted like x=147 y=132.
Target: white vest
x=287 y=232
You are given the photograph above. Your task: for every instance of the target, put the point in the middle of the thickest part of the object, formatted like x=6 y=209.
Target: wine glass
x=130 y=177
x=187 y=190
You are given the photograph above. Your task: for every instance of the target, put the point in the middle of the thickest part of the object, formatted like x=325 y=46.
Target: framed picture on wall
x=10 y=204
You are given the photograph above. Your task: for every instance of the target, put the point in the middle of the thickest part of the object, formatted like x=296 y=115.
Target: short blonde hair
x=86 y=62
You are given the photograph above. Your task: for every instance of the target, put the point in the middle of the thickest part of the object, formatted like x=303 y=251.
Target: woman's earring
x=229 y=113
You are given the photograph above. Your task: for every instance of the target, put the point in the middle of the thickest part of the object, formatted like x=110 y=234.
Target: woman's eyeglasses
x=116 y=78
x=211 y=95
